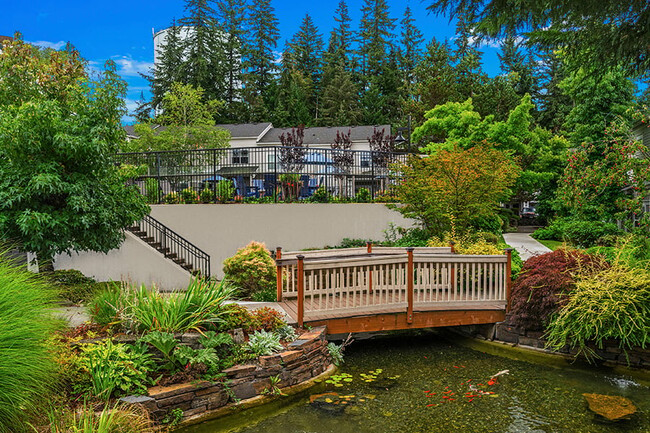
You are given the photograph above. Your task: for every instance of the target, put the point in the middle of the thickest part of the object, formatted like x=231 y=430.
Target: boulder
x=611 y=407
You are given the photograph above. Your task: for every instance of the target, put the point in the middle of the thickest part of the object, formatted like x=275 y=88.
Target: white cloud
x=127 y=66
x=48 y=44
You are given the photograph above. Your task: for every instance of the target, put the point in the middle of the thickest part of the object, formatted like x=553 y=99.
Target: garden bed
x=304 y=359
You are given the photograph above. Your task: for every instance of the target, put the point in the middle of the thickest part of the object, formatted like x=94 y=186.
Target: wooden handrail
x=369 y=251
x=409 y=285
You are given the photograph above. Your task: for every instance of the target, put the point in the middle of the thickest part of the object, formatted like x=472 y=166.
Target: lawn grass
x=552 y=245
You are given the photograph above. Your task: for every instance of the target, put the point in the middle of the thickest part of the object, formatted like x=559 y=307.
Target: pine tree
x=411 y=44
x=142 y=112
x=340 y=42
x=554 y=103
x=204 y=49
x=291 y=106
x=521 y=66
x=469 y=75
x=169 y=68
x=376 y=35
x=340 y=100
x=259 y=57
x=307 y=47
x=232 y=14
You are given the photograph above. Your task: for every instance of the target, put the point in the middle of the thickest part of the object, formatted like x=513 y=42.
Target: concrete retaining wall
x=220 y=229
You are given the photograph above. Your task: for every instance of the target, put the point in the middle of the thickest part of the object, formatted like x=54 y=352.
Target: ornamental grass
x=613 y=304
x=27 y=368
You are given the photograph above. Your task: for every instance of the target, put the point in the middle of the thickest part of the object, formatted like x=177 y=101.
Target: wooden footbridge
x=380 y=289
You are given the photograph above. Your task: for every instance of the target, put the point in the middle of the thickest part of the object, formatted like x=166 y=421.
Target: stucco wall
x=220 y=230
x=134 y=261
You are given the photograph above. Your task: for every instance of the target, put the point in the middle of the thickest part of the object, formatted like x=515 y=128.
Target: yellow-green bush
x=252 y=269
x=611 y=304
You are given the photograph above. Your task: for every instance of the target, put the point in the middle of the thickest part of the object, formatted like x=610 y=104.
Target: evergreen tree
x=376 y=35
x=259 y=57
x=469 y=75
x=340 y=98
x=521 y=66
x=142 y=112
x=497 y=97
x=307 y=47
x=232 y=14
x=411 y=43
x=292 y=107
x=340 y=42
x=169 y=68
x=554 y=103
x=204 y=63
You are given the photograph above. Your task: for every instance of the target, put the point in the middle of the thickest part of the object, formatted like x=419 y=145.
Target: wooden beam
x=508 y=277
x=409 y=285
x=398 y=321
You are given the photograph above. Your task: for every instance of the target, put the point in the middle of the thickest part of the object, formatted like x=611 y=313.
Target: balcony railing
x=275 y=173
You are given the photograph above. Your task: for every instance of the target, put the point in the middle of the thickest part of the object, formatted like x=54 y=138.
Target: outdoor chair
x=243 y=190
x=305 y=191
x=269 y=185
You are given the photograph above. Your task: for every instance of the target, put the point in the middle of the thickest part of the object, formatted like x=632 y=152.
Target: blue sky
x=122 y=30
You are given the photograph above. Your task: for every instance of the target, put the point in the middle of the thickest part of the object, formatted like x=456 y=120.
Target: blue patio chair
x=244 y=190
x=259 y=185
x=305 y=191
x=269 y=185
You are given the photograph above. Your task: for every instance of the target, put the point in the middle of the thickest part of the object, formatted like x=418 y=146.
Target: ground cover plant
x=538 y=291
x=579 y=233
x=27 y=367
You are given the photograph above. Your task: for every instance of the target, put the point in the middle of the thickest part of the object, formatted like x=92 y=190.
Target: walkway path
x=525 y=245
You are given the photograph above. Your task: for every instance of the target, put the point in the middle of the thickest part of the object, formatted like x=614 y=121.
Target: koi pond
x=425 y=384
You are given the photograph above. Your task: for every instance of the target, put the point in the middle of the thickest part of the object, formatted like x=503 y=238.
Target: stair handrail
x=176 y=245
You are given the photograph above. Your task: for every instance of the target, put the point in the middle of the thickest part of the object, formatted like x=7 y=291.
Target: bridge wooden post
x=452 y=270
x=508 y=252
x=301 y=289
x=409 y=285
x=369 y=250
x=278 y=256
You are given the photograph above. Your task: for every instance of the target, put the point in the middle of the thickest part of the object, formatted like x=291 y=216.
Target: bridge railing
x=355 y=280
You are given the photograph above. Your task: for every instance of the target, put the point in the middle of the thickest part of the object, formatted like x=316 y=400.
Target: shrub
x=262 y=343
x=251 y=269
x=578 y=232
x=172 y=198
x=266 y=295
x=268 y=318
x=189 y=196
x=165 y=343
x=73 y=286
x=225 y=191
x=544 y=279
x=363 y=196
x=320 y=196
x=287 y=333
x=611 y=304
x=236 y=316
x=401 y=237
x=116 y=369
x=27 y=369
x=207 y=196
x=152 y=190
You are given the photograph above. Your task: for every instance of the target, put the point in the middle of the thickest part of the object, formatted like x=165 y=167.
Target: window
x=271 y=161
x=366 y=159
x=240 y=156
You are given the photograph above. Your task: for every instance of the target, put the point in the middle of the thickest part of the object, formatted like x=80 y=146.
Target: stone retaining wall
x=610 y=354
x=304 y=359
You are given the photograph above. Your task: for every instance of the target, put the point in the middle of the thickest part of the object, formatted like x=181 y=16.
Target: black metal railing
x=173 y=246
x=273 y=173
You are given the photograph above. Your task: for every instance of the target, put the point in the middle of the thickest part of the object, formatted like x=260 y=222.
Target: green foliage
x=116 y=369
x=287 y=333
x=166 y=344
x=265 y=295
x=262 y=343
x=207 y=196
x=212 y=340
x=401 y=237
x=73 y=286
x=106 y=306
x=455 y=185
x=152 y=190
x=188 y=356
x=363 y=196
x=26 y=362
x=140 y=309
x=116 y=418
x=336 y=353
x=268 y=319
x=320 y=196
x=59 y=129
x=225 y=191
x=251 y=269
x=236 y=316
x=612 y=304
x=172 y=198
x=189 y=196
x=173 y=417
x=580 y=233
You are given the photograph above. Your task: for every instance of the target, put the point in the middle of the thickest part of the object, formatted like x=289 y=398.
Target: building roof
x=246 y=130
x=325 y=135
x=6 y=38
